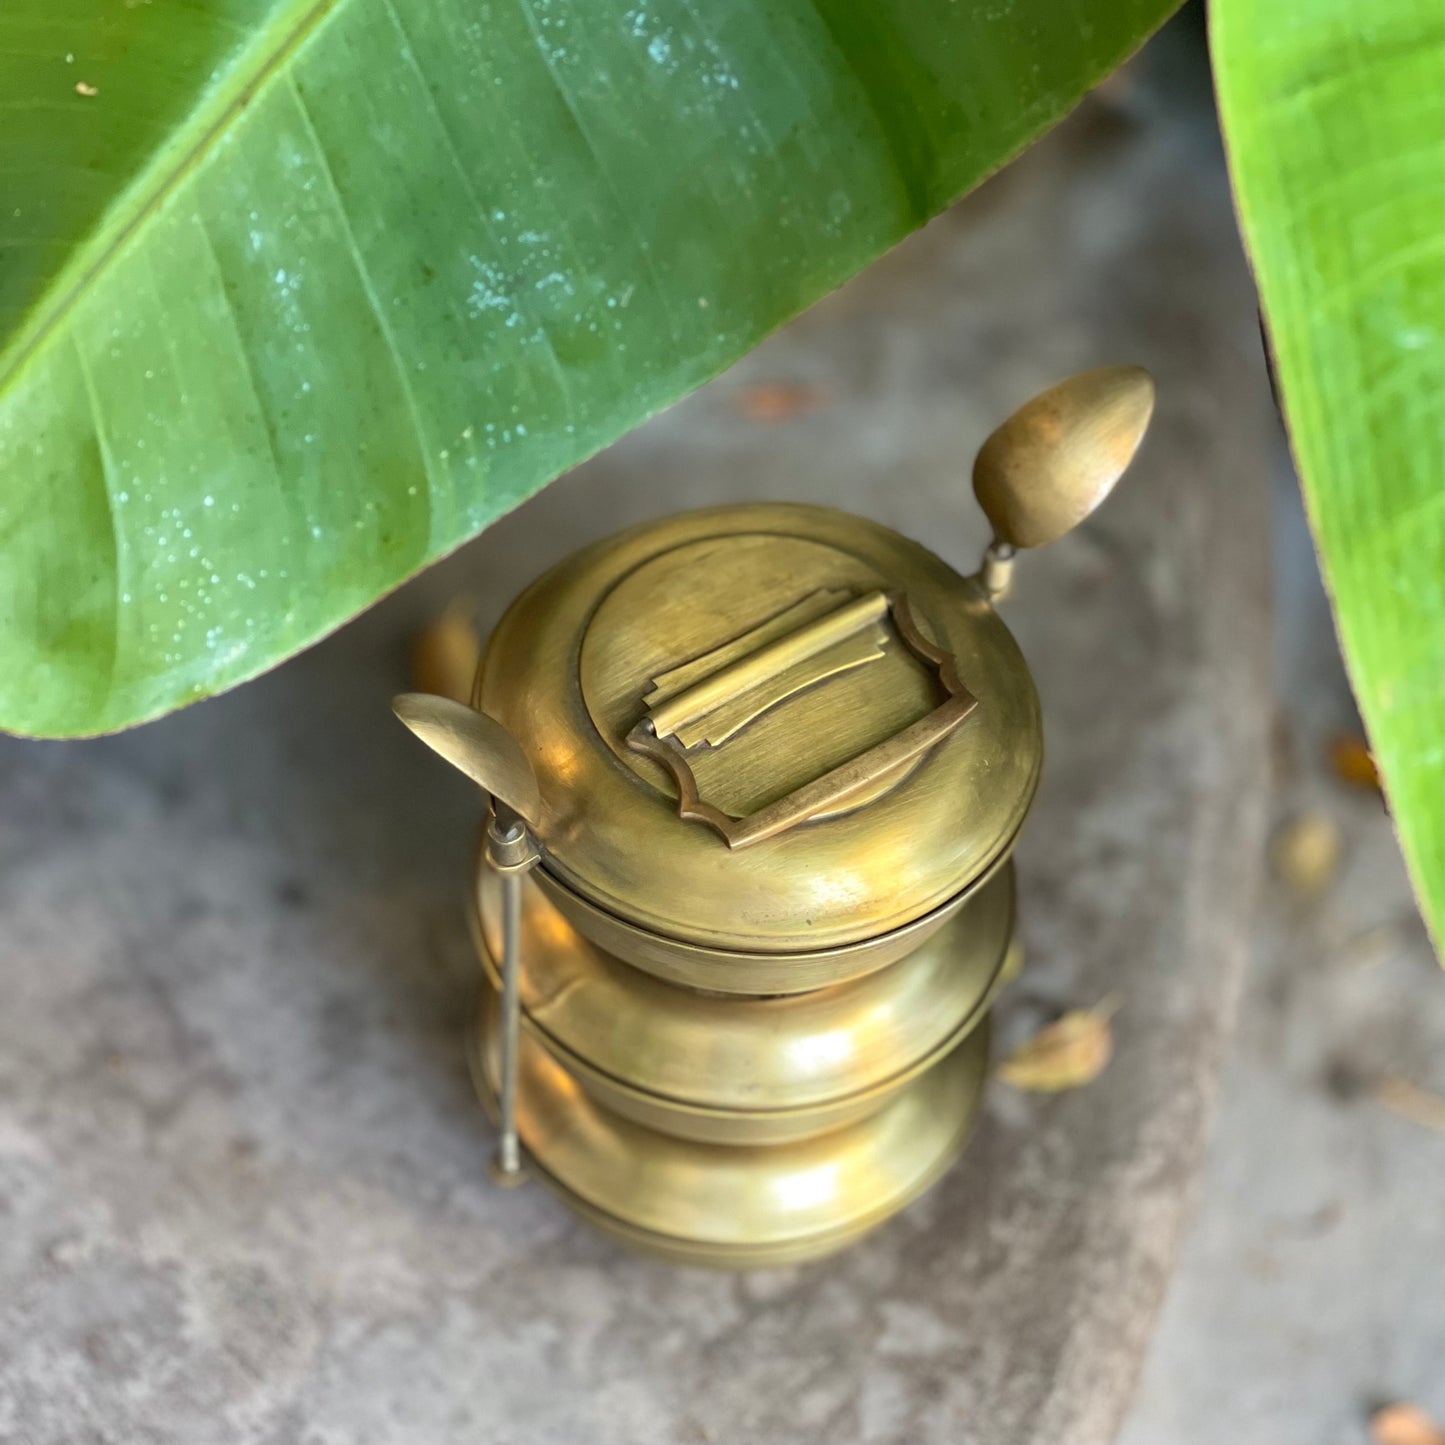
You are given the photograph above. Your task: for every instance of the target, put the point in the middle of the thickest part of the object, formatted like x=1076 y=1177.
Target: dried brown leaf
x=1352 y=762
x=1068 y=1053
x=1412 y=1102
x=1307 y=852
x=781 y=400
x=1013 y=963
x=1404 y=1424
x=445 y=655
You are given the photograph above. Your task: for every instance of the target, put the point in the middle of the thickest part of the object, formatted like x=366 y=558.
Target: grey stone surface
x=243 y=1194
x=1312 y=1287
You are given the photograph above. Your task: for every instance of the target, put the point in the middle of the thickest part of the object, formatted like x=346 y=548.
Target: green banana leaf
x=1334 y=122
x=298 y=295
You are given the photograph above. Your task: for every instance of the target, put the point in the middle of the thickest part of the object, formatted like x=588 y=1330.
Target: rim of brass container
x=725 y=1069
x=739 y=1206
x=739 y=971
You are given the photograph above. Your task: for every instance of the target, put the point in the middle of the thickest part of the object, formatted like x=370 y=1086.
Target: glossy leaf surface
x=296 y=297
x=1334 y=120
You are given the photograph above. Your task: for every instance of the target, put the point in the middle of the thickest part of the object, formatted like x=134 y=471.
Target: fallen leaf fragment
x=1352 y=762
x=1066 y=1054
x=81 y=88
x=1013 y=963
x=1371 y=945
x=780 y=400
x=1412 y=1102
x=445 y=655
x=1306 y=853
x=1404 y=1424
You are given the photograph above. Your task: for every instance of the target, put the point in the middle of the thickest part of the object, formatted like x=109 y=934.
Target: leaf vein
x=469 y=190
x=107 y=467
x=153 y=197
x=624 y=211
x=368 y=288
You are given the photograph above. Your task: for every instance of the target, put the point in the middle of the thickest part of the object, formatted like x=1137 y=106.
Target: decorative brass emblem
x=707 y=702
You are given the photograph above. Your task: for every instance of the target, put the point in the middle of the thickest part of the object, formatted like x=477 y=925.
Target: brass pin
x=486 y=752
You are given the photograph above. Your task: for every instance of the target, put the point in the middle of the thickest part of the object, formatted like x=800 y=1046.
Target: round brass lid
x=766 y=727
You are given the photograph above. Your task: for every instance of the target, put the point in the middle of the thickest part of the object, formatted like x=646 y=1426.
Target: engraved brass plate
x=707 y=702
x=715 y=696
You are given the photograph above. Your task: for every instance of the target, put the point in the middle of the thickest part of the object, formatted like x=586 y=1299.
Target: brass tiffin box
x=755 y=775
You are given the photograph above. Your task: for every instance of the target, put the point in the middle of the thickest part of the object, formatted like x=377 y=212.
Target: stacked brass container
x=746 y=897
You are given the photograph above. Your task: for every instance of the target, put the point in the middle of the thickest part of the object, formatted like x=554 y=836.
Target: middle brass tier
x=731 y=1069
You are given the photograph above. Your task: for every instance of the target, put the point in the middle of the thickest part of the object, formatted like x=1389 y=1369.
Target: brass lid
x=766 y=727
x=742 y=971
x=725 y=1067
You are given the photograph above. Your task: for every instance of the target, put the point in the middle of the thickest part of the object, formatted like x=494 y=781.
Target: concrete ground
x=242 y=1174
x=1312 y=1287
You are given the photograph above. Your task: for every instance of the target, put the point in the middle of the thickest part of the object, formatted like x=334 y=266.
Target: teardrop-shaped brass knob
x=477 y=745
x=1058 y=456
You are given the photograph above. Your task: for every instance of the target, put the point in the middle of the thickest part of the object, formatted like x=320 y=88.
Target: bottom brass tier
x=729 y=1205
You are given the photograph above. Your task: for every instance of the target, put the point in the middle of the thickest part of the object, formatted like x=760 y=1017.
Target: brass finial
x=1056 y=459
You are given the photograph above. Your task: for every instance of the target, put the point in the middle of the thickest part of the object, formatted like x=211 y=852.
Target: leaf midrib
x=162 y=174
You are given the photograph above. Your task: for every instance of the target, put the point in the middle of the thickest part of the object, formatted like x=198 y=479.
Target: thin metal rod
x=997 y=570
x=509 y=1154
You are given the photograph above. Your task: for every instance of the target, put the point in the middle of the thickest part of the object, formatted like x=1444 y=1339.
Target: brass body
x=720 y=1068
x=756 y=776
x=725 y=1055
